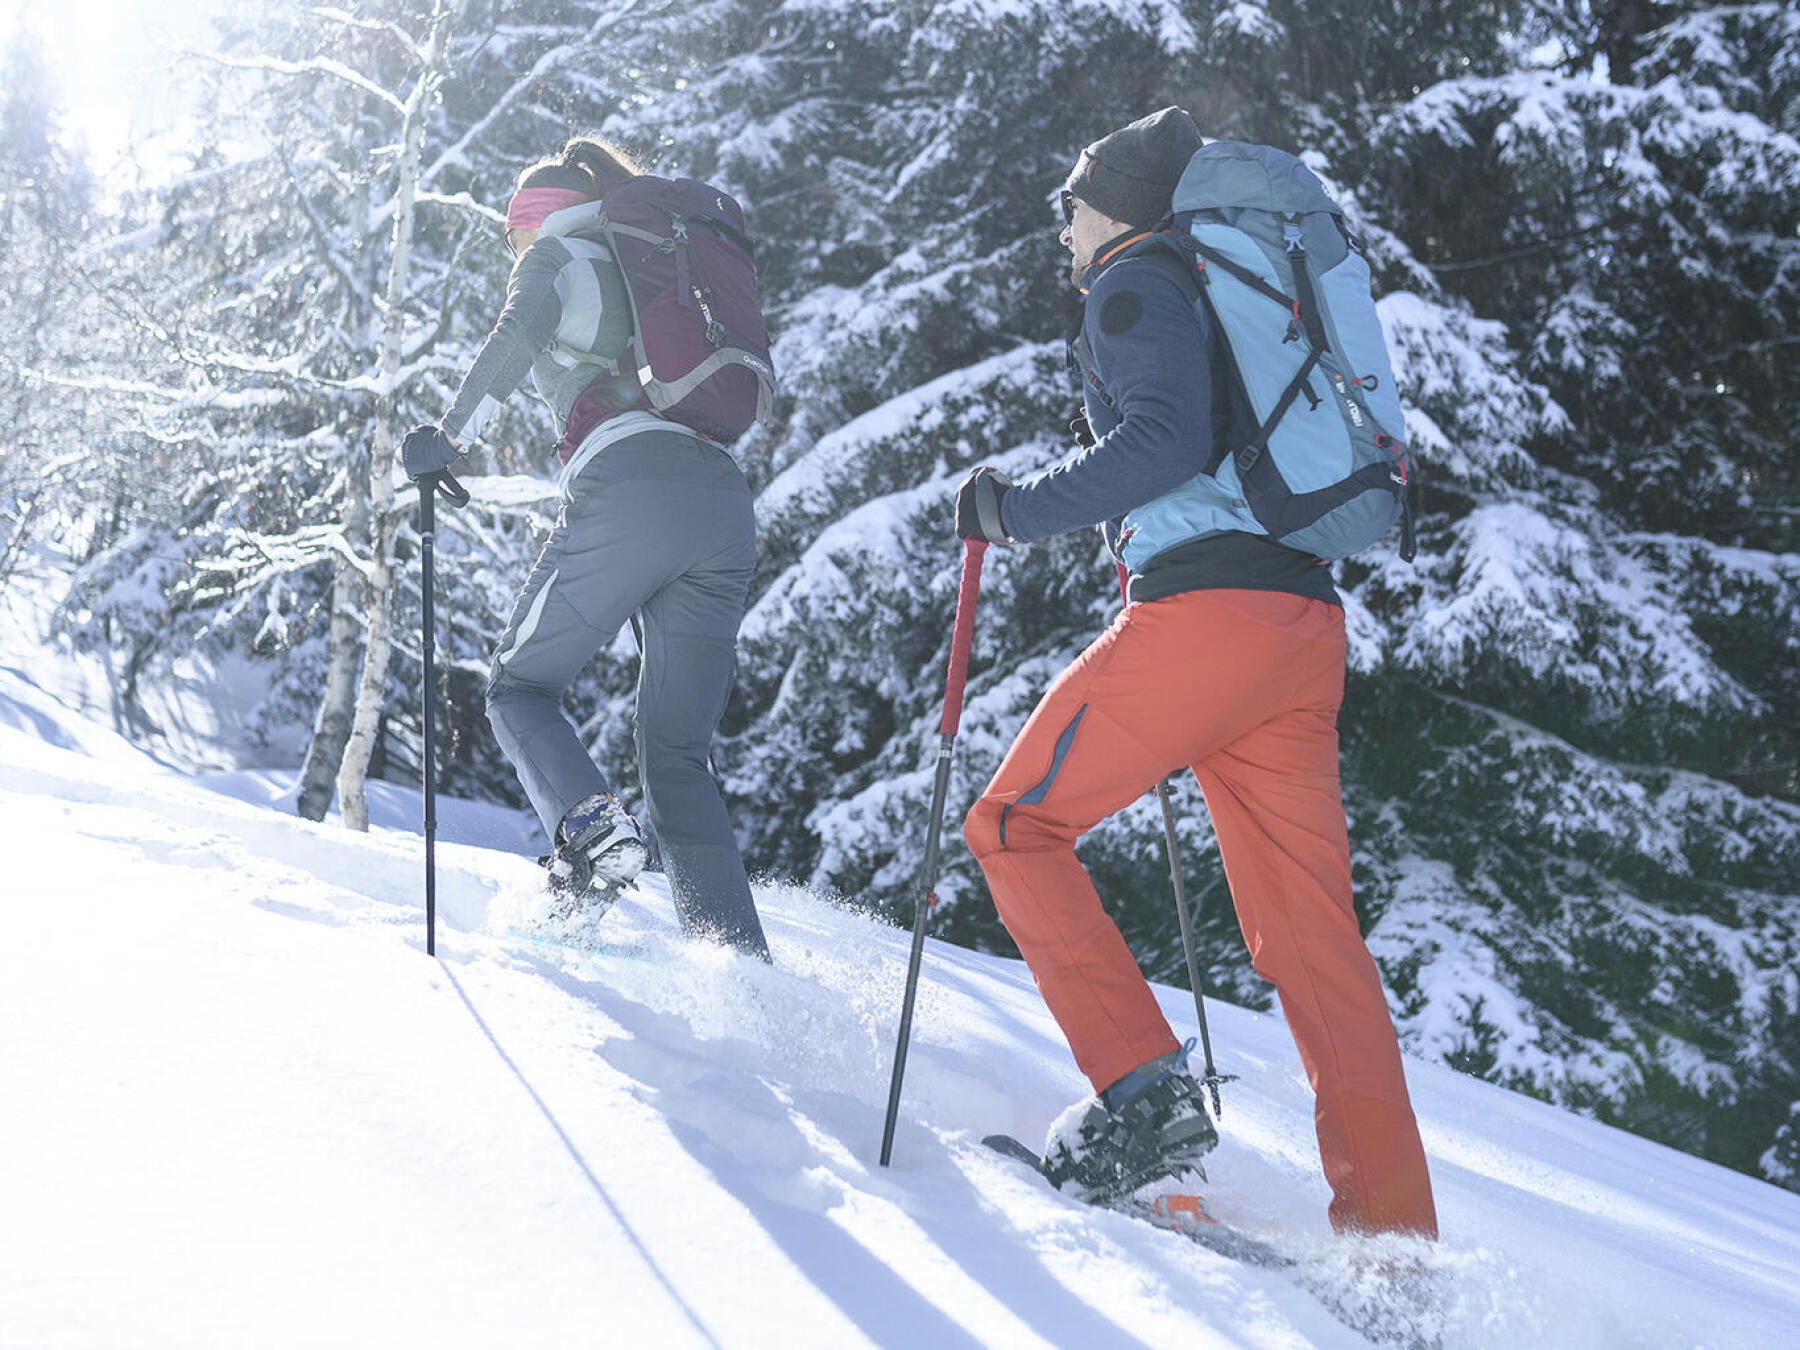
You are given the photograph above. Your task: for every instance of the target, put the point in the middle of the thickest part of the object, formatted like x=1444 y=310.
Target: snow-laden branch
x=262 y=556
x=104 y=384
x=414 y=47
x=501 y=493
x=244 y=364
x=318 y=65
x=462 y=201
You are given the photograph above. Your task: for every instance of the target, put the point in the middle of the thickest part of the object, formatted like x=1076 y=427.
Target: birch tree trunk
x=337 y=706
x=375 y=495
x=331 y=730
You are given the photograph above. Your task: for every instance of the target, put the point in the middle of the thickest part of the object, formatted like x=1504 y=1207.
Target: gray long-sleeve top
x=565 y=305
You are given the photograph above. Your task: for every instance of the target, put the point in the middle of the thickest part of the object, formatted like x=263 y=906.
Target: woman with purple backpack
x=654 y=522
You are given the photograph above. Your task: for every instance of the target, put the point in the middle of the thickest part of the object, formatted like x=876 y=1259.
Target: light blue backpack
x=1326 y=471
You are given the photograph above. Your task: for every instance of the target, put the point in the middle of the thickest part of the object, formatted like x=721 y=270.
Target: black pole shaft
x=921 y=916
x=1187 y=938
x=427 y=529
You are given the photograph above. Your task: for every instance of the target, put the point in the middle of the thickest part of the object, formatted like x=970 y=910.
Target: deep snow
x=243 y=1107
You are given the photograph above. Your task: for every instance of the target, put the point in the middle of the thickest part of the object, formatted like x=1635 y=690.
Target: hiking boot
x=1149 y=1125
x=598 y=851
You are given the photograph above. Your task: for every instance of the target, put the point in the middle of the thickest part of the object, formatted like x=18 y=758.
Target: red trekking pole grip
x=962 y=634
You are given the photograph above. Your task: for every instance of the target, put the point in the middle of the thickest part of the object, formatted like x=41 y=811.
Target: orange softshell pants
x=1244 y=687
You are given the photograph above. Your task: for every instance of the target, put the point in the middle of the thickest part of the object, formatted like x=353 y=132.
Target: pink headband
x=529 y=207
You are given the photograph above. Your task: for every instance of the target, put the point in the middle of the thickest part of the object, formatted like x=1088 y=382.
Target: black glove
x=1081 y=431
x=978 y=507
x=427 y=450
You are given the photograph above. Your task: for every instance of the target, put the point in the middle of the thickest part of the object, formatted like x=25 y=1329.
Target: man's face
x=1084 y=233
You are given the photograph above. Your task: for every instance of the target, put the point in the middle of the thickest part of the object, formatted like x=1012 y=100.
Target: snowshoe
x=1150 y=1125
x=599 y=849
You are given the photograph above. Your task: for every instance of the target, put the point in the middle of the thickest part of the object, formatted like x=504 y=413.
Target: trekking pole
x=429 y=486
x=953 y=697
x=1163 y=792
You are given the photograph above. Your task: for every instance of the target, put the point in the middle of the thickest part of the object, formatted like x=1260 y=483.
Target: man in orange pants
x=1229 y=659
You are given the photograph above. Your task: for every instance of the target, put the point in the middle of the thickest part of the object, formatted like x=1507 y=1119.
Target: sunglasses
x=1068 y=206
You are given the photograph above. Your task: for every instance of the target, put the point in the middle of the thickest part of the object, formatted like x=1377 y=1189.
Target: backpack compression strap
x=1305 y=321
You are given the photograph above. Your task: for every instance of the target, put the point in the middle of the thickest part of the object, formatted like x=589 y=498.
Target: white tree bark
x=371 y=485
x=331 y=730
x=337 y=706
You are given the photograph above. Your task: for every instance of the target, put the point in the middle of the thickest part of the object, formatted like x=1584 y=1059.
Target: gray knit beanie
x=1131 y=174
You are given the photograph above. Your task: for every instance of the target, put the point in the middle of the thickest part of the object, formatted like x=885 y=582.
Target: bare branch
x=320 y=65
x=333 y=259
x=462 y=201
x=549 y=62
x=1591 y=234
x=1765 y=344
x=414 y=47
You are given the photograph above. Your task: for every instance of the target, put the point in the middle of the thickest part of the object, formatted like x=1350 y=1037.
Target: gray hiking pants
x=658 y=524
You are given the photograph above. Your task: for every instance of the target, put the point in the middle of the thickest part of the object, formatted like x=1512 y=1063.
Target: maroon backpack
x=699 y=350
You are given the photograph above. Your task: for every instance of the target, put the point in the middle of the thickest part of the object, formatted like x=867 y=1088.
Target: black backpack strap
x=1306 y=300
x=1071 y=350
x=1251 y=453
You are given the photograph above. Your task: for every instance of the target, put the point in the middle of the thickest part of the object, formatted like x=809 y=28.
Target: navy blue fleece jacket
x=1152 y=354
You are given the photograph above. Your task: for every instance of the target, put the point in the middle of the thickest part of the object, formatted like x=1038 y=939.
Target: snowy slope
x=242 y=1107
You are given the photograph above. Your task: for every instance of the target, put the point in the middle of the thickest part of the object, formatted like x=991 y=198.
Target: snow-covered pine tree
x=1586 y=761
